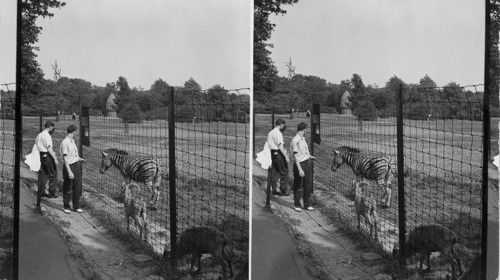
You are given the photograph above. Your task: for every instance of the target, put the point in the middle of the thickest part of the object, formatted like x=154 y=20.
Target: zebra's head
x=337 y=160
x=105 y=163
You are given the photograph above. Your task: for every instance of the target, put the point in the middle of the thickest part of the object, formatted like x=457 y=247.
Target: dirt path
x=340 y=257
x=107 y=256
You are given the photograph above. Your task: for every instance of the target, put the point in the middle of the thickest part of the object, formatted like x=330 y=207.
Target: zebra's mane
x=116 y=151
x=349 y=149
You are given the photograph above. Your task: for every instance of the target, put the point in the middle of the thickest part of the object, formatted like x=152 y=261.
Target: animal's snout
x=101 y=170
x=333 y=168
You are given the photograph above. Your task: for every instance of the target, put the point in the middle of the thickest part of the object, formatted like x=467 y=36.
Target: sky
x=379 y=39
x=7 y=43
x=98 y=40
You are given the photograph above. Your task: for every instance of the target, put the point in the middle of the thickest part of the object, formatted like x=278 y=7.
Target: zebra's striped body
x=364 y=166
x=142 y=170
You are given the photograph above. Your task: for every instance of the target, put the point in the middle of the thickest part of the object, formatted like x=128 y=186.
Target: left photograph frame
x=130 y=139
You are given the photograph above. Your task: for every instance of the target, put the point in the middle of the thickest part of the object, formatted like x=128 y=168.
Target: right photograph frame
x=375 y=140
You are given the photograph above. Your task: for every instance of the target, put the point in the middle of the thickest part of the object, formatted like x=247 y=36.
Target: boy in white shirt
x=72 y=175
x=48 y=161
x=302 y=171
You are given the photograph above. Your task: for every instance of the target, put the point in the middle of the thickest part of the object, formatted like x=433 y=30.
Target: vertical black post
x=172 y=181
x=41 y=120
x=18 y=147
x=253 y=135
x=80 y=146
x=272 y=118
x=270 y=173
x=39 y=193
x=311 y=142
x=401 y=178
x=486 y=145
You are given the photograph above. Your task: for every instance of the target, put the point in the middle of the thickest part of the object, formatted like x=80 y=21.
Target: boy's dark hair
x=49 y=124
x=301 y=126
x=71 y=129
x=280 y=121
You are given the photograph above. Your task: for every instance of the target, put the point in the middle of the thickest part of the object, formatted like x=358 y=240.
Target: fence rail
x=7 y=149
x=211 y=138
x=441 y=137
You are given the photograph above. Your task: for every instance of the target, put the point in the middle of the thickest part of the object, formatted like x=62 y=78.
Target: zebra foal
x=142 y=170
x=374 y=168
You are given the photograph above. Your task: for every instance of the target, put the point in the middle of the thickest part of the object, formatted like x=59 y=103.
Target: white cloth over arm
x=264 y=157
x=33 y=159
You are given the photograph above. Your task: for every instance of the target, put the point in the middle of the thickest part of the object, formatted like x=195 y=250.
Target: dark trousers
x=302 y=186
x=47 y=172
x=279 y=170
x=72 y=188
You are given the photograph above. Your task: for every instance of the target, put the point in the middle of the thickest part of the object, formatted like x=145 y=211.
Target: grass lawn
x=212 y=171
x=443 y=186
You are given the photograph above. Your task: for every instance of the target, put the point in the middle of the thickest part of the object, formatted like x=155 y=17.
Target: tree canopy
x=31 y=72
x=264 y=70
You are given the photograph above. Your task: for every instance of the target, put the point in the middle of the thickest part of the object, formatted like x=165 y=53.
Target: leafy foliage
x=31 y=72
x=131 y=113
x=264 y=70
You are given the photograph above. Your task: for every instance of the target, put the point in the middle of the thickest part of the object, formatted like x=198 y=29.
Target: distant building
x=344 y=109
x=110 y=103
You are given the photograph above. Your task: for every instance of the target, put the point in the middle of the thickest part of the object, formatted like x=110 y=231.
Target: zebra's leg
x=386 y=197
x=389 y=192
x=152 y=205
x=157 y=194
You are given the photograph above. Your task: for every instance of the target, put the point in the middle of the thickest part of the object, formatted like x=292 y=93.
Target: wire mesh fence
x=211 y=159
x=7 y=149
x=442 y=151
x=212 y=153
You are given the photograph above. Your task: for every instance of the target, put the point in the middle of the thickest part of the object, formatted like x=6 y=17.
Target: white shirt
x=68 y=148
x=275 y=138
x=43 y=141
x=300 y=148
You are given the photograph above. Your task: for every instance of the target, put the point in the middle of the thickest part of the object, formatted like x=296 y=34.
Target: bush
x=132 y=113
x=95 y=112
x=366 y=111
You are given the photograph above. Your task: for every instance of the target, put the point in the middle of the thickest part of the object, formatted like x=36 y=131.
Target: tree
x=188 y=92
x=358 y=93
x=101 y=96
x=57 y=71
x=31 y=72
x=124 y=97
x=427 y=82
x=264 y=70
x=131 y=113
x=161 y=89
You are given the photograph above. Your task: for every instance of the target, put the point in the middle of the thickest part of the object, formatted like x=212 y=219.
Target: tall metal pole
x=486 y=145
x=253 y=135
x=18 y=146
x=172 y=181
x=272 y=118
x=401 y=178
x=41 y=120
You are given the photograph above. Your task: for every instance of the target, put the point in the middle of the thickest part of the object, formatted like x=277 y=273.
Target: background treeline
x=371 y=101
x=134 y=105
x=297 y=91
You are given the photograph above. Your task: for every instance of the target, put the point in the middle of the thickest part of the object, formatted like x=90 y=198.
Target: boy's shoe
x=297 y=209
x=79 y=210
x=67 y=211
x=309 y=208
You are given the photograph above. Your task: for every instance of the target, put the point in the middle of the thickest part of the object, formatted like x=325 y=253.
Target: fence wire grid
x=443 y=150
x=7 y=149
x=211 y=150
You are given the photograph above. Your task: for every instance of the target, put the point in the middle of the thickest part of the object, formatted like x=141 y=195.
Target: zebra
x=144 y=170
x=375 y=168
